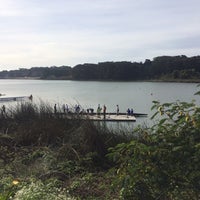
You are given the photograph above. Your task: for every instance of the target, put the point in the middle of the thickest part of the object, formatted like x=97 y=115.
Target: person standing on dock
x=99 y=111
x=31 y=97
x=55 y=108
x=3 y=111
x=131 y=112
x=63 y=107
x=117 y=109
x=66 y=108
x=104 y=112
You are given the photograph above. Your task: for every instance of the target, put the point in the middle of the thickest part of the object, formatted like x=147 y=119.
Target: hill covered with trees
x=160 y=68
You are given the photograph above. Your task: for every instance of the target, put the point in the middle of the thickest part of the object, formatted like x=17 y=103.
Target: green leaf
x=167 y=104
x=154 y=115
x=162 y=121
x=177 y=148
x=153 y=107
x=155 y=102
x=198 y=85
x=197 y=93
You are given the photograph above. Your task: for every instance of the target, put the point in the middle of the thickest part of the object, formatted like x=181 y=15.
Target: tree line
x=162 y=67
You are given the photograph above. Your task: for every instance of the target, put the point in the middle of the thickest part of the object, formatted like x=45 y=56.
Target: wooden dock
x=112 y=118
x=109 y=117
x=123 y=114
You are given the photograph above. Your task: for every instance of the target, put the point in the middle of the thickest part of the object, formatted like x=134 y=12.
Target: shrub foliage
x=163 y=162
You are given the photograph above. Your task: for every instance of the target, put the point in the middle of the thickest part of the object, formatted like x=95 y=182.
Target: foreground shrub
x=92 y=186
x=43 y=191
x=164 y=161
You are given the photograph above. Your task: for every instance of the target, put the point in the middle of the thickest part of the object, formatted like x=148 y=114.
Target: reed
x=31 y=124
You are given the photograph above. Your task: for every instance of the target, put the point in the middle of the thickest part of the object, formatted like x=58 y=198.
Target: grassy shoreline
x=47 y=156
x=39 y=148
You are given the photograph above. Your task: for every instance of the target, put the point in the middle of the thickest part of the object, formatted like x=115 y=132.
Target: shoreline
x=147 y=80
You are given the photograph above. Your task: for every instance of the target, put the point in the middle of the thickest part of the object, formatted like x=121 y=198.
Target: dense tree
x=56 y=72
x=168 y=67
x=85 y=72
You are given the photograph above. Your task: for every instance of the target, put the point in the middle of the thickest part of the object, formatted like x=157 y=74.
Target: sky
x=44 y=33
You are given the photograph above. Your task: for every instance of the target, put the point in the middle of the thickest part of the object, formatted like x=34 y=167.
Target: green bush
x=163 y=162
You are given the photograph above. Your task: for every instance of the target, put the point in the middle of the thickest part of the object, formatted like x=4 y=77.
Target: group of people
x=77 y=109
x=130 y=111
x=66 y=109
x=99 y=109
x=90 y=110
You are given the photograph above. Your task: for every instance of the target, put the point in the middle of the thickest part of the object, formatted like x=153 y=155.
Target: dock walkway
x=112 y=118
x=109 y=117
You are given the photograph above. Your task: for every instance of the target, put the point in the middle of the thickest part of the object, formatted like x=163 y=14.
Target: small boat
x=20 y=98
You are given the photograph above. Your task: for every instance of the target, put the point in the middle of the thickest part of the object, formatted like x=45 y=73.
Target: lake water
x=136 y=95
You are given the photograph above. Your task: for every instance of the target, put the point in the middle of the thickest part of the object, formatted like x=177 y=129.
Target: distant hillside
x=63 y=72
x=160 y=68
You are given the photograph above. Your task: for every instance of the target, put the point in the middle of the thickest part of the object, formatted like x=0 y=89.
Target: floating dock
x=109 y=117
x=112 y=118
x=120 y=114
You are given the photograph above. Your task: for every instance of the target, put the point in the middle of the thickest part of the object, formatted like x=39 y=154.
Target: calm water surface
x=136 y=95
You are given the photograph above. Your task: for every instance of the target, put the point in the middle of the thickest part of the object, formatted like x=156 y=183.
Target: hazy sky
x=69 y=32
